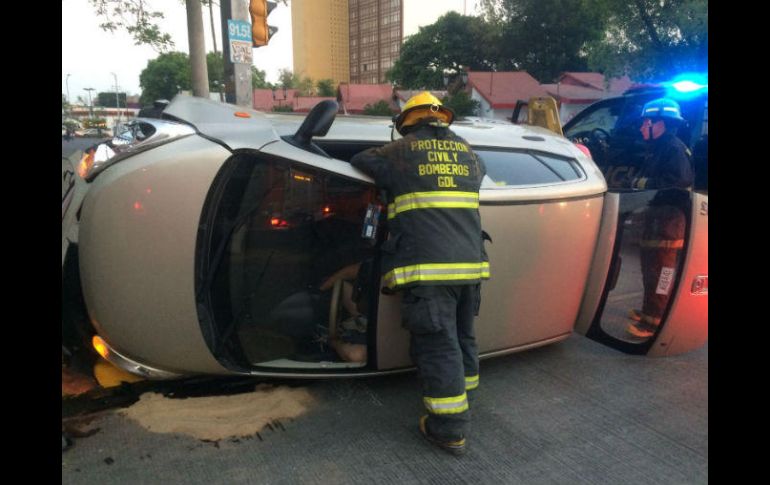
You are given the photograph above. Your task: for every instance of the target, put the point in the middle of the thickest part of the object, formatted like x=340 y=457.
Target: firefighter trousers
x=443 y=346
x=661 y=248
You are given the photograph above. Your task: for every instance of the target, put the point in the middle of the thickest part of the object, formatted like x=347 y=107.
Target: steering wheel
x=599 y=135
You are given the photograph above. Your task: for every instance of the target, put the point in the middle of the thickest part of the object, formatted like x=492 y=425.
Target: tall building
x=376 y=30
x=320 y=38
x=354 y=41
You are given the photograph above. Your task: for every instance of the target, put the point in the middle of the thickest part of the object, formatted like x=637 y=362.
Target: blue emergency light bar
x=687 y=85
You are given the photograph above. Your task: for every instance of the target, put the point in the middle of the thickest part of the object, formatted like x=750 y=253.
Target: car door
x=284 y=267
x=628 y=271
x=623 y=281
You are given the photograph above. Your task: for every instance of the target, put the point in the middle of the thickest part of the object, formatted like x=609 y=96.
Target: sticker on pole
x=239 y=34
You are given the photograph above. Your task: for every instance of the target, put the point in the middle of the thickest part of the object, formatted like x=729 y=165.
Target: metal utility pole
x=237 y=74
x=200 y=76
x=90 y=104
x=213 y=32
x=67 y=83
x=117 y=98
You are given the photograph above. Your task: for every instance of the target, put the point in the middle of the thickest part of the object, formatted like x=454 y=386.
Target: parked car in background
x=92 y=133
x=197 y=243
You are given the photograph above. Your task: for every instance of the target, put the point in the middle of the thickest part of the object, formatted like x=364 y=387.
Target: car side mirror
x=317 y=123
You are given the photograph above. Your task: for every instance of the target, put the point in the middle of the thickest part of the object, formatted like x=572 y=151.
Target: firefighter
x=668 y=170
x=435 y=256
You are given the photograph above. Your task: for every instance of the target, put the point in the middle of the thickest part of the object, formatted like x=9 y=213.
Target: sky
x=93 y=58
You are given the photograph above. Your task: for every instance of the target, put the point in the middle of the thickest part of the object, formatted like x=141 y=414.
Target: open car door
x=628 y=263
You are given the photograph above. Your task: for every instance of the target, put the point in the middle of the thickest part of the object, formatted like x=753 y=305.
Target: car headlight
x=132 y=138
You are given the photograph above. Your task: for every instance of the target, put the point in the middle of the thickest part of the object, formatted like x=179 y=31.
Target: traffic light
x=260 y=31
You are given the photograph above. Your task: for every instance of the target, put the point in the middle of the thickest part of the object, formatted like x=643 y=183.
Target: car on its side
x=198 y=243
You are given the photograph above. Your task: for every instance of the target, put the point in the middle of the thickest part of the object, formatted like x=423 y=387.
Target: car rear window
x=517 y=168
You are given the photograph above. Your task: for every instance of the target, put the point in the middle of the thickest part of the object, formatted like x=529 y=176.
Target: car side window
x=290 y=228
x=521 y=168
x=604 y=117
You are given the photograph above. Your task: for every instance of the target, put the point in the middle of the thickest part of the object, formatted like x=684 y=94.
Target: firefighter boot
x=645 y=327
x=454 y=447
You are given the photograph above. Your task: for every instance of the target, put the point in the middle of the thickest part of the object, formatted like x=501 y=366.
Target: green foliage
x=258 y=79
x=380 y=108
x=287 y=79
x=108 y=99
x=215 y=65
x=165 y=76
x=462 y=104
x=95 y=123
x=135 y=17
x=548 y=37
x=652 y=40
x=326 y=87
x=305 y=87
x=453 y=43
x=283 y=109
x=71 y=124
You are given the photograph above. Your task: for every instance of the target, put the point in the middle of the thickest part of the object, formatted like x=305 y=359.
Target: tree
x=453 y=43
x=287 y=79
x=462 y=104
x=546 y=37
x=305 y=87
x=380 y=108
x=326 y=87
x=649 y=40
x=134 y=16
x=215 y=65
x=258 y=79
x=165 y=76
x=652 y=40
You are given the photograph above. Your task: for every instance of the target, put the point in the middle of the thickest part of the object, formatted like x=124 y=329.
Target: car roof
x=221 y=121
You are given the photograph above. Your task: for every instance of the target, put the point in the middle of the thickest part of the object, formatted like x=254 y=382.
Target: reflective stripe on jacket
x=432 y=178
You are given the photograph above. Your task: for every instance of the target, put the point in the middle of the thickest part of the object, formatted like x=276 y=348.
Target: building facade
x=320 y=39
x=376 y=30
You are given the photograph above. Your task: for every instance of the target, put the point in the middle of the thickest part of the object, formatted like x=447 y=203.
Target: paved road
x=571 y=413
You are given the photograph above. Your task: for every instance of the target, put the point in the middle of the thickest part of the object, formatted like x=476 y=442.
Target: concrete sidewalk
x=571 y=413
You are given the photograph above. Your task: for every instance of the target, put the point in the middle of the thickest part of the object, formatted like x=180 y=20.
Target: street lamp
x=117 y=99
x=67 y=83
x=90 y=105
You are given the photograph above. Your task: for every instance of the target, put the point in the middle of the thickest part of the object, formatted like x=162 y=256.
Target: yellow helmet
x=423 y=105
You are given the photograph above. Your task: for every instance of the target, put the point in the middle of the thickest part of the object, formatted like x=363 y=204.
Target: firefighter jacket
x=432 y=180
x=668 y=169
